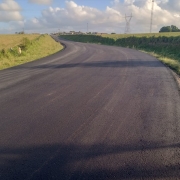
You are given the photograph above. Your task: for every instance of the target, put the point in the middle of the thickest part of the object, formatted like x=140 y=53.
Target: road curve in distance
x=90 y=112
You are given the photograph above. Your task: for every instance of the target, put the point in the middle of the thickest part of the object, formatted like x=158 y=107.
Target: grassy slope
x=8 y=41
x=38 y=46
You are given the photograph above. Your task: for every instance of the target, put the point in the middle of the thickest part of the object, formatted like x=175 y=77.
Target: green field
x=117 y=36
x=33 y=47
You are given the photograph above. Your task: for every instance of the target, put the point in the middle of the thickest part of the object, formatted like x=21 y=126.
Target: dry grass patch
x=12 y=40
x=33 y=47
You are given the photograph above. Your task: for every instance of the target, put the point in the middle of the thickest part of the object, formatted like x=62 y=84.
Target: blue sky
x=31 y=9
x=102 y=15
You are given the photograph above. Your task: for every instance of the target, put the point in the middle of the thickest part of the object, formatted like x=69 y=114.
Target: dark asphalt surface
x=89 y=112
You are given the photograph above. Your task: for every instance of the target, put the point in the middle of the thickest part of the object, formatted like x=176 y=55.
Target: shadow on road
x=113 y=64
x=67 y=160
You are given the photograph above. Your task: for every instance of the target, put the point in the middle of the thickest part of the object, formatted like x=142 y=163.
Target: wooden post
x=19 y=50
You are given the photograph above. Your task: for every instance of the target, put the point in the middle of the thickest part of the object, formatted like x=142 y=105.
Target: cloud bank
x=112 y=19
x=10 y=11
x=43 y=2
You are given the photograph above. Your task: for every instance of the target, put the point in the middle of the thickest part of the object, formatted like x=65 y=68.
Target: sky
x=104 y=16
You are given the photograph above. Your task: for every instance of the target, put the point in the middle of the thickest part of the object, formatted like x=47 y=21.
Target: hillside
x=32 y=47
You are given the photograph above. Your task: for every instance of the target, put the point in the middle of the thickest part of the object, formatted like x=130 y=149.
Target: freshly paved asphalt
x=89 y=112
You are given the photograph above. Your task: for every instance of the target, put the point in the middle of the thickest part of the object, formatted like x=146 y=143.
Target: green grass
x=117 y=36
x=33 y=47
x=174 y=64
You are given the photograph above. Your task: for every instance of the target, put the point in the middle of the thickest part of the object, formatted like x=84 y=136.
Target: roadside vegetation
x=148 y=35
x=32 y=47
x=165 y=46
x=171 y=28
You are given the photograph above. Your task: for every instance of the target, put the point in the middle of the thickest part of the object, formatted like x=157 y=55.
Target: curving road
x=89 y=112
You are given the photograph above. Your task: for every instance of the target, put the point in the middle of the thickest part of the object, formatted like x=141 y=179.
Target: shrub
x=25 y=43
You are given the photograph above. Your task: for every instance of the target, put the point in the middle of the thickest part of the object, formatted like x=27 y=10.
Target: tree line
x=171 y=28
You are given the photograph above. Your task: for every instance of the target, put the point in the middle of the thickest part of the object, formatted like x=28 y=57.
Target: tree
x=21 y=32
x=174 y=29
x=171 y=28
x=165 y=29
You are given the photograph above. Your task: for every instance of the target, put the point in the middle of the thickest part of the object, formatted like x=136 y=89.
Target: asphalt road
x=89 y=112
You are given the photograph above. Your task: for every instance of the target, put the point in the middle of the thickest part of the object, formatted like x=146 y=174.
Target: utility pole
x=128 y=19
x=23 y=26
x=152 y=12
x=87 y=27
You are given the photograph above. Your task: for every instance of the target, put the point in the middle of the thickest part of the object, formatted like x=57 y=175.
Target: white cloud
x=177 y=15
x=10 y=16
x=141 y=11
x=9 y=5
x=112 y=19
x=46 y=2
x=76 y=17
x=10 y=11
x=170 y=5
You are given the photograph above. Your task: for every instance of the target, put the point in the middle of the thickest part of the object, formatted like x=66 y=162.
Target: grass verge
x=33 y=47
x=171 y=63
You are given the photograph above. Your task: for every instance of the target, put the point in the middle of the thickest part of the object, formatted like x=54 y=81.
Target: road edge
x=176 y=78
